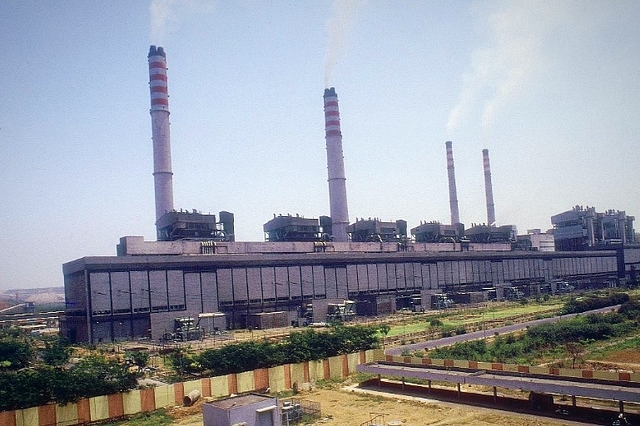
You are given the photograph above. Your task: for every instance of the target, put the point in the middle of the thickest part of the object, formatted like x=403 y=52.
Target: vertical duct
x=335 y=167
x=491 y=213
x=162 y=175
x=453 y=193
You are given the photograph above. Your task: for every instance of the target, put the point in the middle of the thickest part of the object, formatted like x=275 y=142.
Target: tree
x=16 y=349
x=138 y=358
x=575 y=351
x=56 y=351
x=384 y=329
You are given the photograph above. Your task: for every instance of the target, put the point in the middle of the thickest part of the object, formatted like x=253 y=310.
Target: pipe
x=491 y=213
x=189 y=399
x=335 y=168
x=453 y=193
x=162 y=174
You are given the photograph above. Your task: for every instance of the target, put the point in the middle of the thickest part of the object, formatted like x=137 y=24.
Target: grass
x=601 y=352
x=155 y=418
x=461 y=317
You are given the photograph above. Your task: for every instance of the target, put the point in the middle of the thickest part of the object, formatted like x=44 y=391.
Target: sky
x=551 y=88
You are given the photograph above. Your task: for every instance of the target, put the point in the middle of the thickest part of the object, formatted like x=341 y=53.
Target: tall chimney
x=162 y=175
x=453 y=193
x=335 y=167
x=491 y=213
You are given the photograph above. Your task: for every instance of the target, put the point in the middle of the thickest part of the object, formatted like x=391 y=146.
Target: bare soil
x=347 y=406
x=344 y=404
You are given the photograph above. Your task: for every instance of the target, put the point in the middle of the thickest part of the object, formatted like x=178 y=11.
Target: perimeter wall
x=101 y=408
x=280 y=378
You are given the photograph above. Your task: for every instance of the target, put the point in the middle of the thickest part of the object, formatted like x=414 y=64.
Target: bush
x=306 y=345
x=588 y=303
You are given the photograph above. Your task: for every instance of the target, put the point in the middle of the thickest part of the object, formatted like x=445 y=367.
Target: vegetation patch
x=568 y=339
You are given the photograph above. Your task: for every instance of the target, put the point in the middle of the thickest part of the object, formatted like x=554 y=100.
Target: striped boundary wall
x=106 y=407
x=514 y=368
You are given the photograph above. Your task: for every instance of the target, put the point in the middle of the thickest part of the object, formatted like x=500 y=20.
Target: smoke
x=166 y=16
x=511 y=61
x=339 y=26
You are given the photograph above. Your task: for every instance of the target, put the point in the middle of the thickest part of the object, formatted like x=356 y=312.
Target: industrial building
x=140 y=293
x=296 y=228
x=536 y=240
x=435 y=232
x=583 y=228
x=197 y=279
x=376 y=230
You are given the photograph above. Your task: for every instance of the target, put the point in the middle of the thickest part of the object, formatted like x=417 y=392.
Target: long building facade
x=142 y=292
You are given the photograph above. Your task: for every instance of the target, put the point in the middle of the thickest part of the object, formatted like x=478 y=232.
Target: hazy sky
x=551 y=88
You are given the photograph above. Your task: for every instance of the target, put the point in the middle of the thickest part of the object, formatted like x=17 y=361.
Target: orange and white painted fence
x=278 y=378
x=144 y=400
x=515 y=368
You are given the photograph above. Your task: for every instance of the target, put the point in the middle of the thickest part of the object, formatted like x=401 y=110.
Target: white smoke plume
x=166 y=15
x=339 y=26
x=505 y=68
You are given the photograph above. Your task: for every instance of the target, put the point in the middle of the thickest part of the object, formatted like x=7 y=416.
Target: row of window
x=139 y=291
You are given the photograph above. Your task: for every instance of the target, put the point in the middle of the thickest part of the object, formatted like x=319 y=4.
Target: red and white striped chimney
x=335 y=167
x=162 y=174
x=491 y=213
x=453 y=193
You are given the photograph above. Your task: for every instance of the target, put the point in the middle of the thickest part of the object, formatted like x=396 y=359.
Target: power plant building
x=140 y=293
x=435 y=232
x=295 y=228
x=372 y=230
x=197 y=276
x=583 y=228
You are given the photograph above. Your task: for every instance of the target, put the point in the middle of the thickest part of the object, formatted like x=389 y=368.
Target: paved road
x=447 y=341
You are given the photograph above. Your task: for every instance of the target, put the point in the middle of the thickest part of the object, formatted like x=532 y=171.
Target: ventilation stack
x=335 y=167
x=491 y=213
x=453 y=193
x=162 y=175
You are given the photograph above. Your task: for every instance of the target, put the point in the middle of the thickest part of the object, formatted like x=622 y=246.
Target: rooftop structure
x=582 y=228
x=372 y=230
x=491 y=234
x=247 y=410
x=178 y=225
x=435 y=232
x=293 y=228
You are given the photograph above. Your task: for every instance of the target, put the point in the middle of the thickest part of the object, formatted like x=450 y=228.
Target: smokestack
x=491 y=213
x=453 y=193
x=335 y=167
x=162 y=175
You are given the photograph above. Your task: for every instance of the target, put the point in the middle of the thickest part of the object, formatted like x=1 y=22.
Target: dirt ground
x=344 y=404
x=347 y=406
